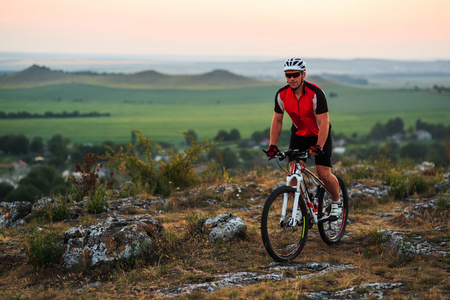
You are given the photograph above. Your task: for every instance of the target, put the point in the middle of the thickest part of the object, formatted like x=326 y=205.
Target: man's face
x=294 y=78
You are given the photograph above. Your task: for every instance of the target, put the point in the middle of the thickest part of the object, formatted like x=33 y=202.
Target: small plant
x=89 y=180
x=96 y=203
x=443 y=202
x=398 y=183
x=43 y=248
x=193 y=225
x=162 y=245
x=53 y=211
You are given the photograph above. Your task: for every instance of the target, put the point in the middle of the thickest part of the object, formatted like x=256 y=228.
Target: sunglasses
x=295 y=75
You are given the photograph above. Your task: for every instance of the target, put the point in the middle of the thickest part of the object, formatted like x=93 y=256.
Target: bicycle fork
x=310 y=206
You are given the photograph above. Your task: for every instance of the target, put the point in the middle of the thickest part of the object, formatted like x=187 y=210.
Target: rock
x=225 y=227
x=380 y=190
x=422 y=208
x=443 y=186
x=396 y=241
x=12 y=214
x=426 y=167
x=110 y=241
x=227 y=280
x=370 y=290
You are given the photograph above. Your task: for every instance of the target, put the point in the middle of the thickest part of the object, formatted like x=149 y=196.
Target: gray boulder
x=225 y=227
x=110 y=241
x=12 y=214
x=399 y=241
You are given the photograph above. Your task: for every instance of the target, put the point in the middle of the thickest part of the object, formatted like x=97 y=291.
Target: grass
x=164 y=114
x=185 y=256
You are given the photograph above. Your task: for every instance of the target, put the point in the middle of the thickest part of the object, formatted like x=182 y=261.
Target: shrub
x=89 y=181
x=419 y=183
x=137 y=163
x=43 y=248
x=5 y=189
x=406 y=182
x=56 y=210
x=180 y=170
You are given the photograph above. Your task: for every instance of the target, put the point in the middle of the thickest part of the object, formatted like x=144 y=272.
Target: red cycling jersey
x=304 y=111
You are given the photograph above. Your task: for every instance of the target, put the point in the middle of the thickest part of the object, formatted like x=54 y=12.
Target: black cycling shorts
x=304 y=142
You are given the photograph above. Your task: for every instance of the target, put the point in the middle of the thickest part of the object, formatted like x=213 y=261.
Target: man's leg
x=330 y=181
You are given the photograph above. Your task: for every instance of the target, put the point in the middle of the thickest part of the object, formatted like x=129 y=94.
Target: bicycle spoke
x=283 y=242
x=333 y=228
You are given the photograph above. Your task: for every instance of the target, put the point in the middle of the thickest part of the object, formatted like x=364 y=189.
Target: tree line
x=49 y=114
x=238 y=153
x=228 y=149
x=397 y=126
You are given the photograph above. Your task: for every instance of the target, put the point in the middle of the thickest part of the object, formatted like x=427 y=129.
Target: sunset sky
x=393 y=29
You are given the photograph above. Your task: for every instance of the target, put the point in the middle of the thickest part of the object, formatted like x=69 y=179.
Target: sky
x=387 y=29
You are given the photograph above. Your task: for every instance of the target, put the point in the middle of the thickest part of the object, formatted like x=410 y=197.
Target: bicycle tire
x=283 y=242
x=331 y=231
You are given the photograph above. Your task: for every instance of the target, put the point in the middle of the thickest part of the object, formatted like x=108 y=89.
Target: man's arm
x=324 y=126
x=275 y=128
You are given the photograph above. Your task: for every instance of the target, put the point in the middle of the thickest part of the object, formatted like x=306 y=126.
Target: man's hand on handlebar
x=272 y=151
x=315 y=150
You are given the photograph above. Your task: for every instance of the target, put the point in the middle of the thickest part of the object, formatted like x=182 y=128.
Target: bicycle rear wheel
x=332 y=230
x=283 y=240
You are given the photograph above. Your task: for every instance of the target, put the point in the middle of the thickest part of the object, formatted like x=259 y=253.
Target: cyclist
x=306 y=104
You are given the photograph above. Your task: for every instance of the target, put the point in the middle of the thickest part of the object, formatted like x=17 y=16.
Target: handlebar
x=293 y=154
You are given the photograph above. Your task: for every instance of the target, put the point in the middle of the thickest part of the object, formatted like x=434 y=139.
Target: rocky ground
x=392 y=249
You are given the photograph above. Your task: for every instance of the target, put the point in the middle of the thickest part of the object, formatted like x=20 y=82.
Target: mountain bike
x=290 y=211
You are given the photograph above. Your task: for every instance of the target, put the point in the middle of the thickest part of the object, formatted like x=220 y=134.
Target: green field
x=164 y=114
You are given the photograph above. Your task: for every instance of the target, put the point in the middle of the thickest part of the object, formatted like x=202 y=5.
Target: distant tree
x=222 y=135
x=395 y=126
x=234 y=135
x=24 y=193
x=14 y=144
x=5 y=189
x=57 y=146
x=257 y=136
x=76 y=155
x=37 y=145
x=438 y=131
x=193 y=136
x=40 y=183
x=44 y=179
x=414 y=150
x=438 y=154
x=380 y=131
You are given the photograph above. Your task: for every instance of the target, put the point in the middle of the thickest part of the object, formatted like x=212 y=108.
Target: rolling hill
x=38 y=76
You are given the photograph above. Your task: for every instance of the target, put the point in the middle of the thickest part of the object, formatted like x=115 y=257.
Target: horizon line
x=207 y=58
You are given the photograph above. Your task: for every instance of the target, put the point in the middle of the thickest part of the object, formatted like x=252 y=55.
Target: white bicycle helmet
x=294 y=64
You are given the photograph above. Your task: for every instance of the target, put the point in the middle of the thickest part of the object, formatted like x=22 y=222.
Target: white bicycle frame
x=300 y=189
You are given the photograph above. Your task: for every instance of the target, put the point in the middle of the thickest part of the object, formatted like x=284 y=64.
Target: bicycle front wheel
x=283 y=239
x=332 y=229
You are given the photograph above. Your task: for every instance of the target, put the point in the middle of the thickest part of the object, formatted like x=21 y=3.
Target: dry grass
x=192 y=259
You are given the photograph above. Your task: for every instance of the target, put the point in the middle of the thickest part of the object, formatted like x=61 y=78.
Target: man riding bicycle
x=307 y=106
